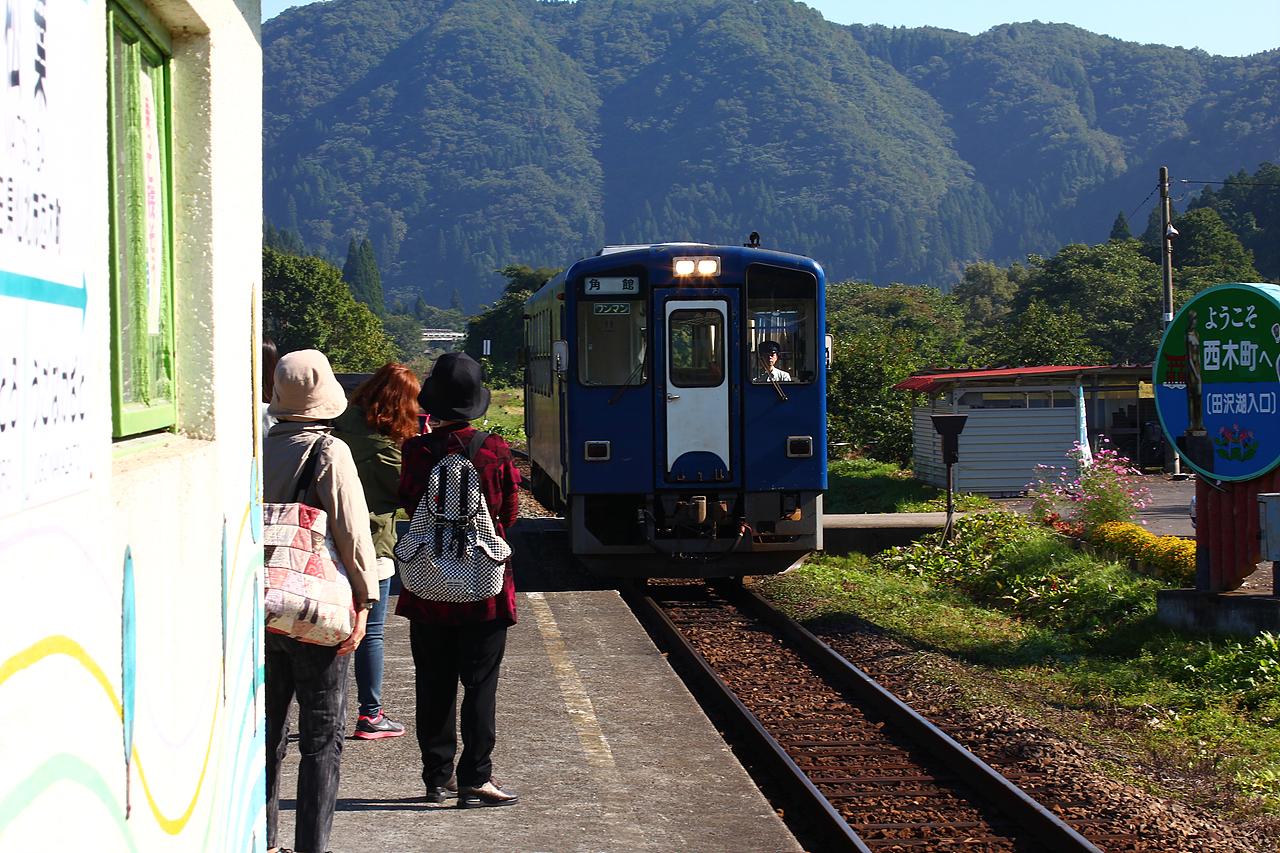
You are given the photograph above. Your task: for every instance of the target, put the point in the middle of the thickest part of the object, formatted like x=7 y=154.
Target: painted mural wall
x=130 y=651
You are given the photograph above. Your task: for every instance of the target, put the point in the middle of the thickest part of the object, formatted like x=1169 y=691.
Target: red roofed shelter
x=1021 y=417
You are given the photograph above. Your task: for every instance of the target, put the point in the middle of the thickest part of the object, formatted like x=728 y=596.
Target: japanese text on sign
x=613 y=308
x=612 y=285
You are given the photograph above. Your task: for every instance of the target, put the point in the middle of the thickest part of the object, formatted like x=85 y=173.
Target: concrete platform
x=871 y=533
x=600 y=738
x=1244 y=612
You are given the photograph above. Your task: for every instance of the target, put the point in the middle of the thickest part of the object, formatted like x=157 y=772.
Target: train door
x=695 y=393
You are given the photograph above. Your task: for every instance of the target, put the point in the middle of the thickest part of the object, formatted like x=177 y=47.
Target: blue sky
x=1223 y=27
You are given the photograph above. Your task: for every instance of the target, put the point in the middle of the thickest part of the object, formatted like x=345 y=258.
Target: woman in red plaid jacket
x=459 y=642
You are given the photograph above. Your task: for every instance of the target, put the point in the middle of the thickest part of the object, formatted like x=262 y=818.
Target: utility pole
x=1167 y=233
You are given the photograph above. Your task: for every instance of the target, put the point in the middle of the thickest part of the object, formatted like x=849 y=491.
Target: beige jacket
x=336 y=490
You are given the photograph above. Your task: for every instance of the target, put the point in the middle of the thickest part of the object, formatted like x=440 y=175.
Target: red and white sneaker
x=372 y=728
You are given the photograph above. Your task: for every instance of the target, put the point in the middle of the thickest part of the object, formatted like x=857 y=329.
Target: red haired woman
x=383 y=413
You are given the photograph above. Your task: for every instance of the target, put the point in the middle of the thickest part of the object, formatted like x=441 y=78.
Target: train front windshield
x=780 y=313
x=611 y=342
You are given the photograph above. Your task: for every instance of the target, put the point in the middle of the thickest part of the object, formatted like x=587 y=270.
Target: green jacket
x=377 y=460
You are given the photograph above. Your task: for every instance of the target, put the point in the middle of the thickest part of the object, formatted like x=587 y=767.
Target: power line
x=1144 y=201
x=1232 y=183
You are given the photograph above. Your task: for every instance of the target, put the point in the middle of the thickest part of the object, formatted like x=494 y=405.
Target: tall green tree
x=1120 y=228
x=361 y=275
x=307 y=305
x=933 y=320
x=406 y=331
x=284 y=241
x=1206 y=253
x=863 y=410
x=1250 y=207
x=987 y=293
x=1041 y=336
x=502 y=324
x=1114 y=289
x=882 y=336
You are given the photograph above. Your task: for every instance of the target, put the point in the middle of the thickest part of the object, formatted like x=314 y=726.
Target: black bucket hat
x=454 y=390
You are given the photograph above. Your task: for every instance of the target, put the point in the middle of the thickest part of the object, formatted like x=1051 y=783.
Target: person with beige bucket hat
x=306 y=396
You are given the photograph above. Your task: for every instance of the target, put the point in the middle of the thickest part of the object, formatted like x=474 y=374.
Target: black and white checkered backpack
x=451 y=552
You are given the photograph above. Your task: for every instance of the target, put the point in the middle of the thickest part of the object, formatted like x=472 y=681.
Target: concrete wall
x=130 y=653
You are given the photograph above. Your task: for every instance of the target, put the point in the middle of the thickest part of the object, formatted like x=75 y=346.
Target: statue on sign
x=1195 y=400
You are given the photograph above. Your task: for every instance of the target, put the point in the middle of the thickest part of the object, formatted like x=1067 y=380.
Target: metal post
x=1167 y=233
x=949 y=427
x=1269 y=534
x=951 y=507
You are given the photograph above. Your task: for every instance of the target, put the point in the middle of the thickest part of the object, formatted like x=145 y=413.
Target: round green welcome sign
x=1217 y=381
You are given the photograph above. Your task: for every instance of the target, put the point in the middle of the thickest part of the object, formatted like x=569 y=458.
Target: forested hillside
x=462 y=136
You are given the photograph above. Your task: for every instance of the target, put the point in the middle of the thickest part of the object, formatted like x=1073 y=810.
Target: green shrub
x=1003 y=560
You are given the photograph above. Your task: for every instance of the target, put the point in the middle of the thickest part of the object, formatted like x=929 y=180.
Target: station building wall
x=130 y=275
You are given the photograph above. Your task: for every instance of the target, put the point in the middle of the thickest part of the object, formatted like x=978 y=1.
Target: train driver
x=767 y=370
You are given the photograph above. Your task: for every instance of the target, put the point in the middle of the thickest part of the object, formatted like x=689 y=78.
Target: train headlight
x=697 y=266
x=799 y=446
x=596 y=451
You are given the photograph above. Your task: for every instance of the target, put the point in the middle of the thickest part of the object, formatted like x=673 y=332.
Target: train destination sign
x=616 y=285
x=1217 y=381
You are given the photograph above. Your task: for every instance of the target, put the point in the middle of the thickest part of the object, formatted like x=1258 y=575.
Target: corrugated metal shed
x=1014 y=425
x=999 y=448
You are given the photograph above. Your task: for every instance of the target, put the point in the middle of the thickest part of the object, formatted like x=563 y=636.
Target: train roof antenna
x=753 y=242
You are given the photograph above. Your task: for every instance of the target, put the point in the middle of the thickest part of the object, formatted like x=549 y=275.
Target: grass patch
x=505 y=415
x=1069 y=631
x=863 y=485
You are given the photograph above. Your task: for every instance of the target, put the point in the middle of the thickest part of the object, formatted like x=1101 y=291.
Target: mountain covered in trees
x=462 y=136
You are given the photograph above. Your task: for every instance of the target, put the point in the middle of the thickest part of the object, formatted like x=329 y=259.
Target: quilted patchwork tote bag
x=451 y=551
x=308 y=596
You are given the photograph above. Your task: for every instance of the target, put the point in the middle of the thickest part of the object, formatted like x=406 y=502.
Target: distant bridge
x=445 y=337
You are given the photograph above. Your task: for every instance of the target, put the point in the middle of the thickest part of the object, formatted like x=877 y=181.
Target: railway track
x=881 y=777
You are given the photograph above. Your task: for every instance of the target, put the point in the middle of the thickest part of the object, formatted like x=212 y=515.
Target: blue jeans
x=368 y=656
x=318 y=678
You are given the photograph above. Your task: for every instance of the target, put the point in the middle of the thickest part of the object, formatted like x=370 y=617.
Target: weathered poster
x=1217 y=381
x=43 y=256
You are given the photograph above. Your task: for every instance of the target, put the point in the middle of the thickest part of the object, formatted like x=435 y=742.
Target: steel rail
x=789 y=774
x=1047 y=827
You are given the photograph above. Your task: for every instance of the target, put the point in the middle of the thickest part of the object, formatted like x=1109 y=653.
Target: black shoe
x=372 y=728
x=440 y=793
x=488 y=794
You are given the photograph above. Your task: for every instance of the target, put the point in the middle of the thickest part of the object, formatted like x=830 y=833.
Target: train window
x=781 y=333
x=696 y=347
x=143 y=376
x=611 y=342
x=538 y=337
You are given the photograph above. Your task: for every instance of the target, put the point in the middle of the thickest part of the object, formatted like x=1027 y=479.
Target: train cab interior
x=780 y=310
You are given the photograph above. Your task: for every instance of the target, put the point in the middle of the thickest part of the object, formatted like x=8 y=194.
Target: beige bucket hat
x=306 y=389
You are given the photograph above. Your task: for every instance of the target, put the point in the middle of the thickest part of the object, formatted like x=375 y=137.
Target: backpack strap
x=473 y=446
x=308 y=473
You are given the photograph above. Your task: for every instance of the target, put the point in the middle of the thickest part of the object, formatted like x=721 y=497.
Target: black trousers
x=318 y=677
x=443 y=656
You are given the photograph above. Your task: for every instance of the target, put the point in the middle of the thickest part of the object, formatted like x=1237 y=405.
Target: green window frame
x=143 y=366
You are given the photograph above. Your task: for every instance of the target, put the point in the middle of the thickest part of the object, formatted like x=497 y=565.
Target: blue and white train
x=675 y=408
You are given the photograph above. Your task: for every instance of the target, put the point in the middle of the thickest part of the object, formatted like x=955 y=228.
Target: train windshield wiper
x=634 y=373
